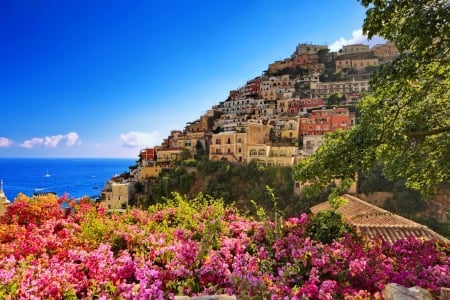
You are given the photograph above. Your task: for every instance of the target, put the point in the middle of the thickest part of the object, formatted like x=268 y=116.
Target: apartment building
x=326 y=89
x=116 y=195
x=284 y=129
x=385 y=52
x=357 y=62
x=228 y=146
x=166 y=157
x=322 y=121
x=299 y=106
x=354 y=48
x=310 y=144
x=204 y=123
x=272 y=155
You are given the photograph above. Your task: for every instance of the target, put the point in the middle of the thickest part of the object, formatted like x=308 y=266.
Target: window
x=218 y=141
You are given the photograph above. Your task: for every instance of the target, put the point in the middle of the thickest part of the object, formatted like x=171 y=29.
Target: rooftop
x=374 y=221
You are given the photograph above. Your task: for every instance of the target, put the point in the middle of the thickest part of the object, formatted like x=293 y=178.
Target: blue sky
x=108 y=78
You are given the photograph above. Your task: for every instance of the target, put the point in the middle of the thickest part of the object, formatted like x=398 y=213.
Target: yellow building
x=385 y=52
x=166 y=157
x=354 y=48
x=147 y=171
x=229 y=146
x=116 y=195
x=290 y=129
x=281 y=156
x=356 y=61
x=257 y=133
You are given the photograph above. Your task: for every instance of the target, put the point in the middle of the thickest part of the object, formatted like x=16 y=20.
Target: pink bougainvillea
x=195 y=247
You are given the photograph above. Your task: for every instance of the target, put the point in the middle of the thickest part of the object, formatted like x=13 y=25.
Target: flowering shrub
x=193 y=247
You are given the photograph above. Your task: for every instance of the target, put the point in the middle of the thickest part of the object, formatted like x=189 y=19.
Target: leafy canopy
x=405 y=122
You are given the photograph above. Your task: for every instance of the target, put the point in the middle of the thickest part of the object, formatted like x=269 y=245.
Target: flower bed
x=194 y=247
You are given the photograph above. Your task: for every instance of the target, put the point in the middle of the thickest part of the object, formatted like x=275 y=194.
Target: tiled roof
x=375 y=221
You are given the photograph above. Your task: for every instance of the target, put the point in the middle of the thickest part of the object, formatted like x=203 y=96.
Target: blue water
x=74 y=177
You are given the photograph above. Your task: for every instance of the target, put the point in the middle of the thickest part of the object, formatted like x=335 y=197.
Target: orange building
x=322 y=121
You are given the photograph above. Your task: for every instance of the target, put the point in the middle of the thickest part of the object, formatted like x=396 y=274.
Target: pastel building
x=357 y=62
x=322 y=121
x=385 y=52
x=354 y=48
x=228 y=146
x=326 y=89
x=167 y=157
x=116 y=195
x=298 y=106
x=147 y=166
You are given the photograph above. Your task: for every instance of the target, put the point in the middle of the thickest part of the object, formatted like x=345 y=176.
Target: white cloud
x=135 y=139
x=32 y=143
x=357 y=38
x=72 y=138
x=53 y=141
x=5 y=142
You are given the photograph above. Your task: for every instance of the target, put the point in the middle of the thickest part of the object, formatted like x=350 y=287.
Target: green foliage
x=335 y=99
x=405 y=122
x=327 y=226
x=234 y=183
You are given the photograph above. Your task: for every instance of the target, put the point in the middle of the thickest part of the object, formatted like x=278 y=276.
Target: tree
x=335 y=99
x=405 y=122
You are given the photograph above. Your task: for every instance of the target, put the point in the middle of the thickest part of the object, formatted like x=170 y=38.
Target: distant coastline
x=74 y=177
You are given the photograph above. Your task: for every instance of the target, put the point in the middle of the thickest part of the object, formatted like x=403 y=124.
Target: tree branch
x=424 y=133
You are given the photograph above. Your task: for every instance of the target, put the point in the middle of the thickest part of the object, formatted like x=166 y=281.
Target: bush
x=328 y=226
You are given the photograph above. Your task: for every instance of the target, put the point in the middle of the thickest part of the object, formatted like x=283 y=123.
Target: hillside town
x=276 y=119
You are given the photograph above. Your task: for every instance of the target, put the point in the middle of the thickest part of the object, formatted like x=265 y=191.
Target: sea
x=75 y=178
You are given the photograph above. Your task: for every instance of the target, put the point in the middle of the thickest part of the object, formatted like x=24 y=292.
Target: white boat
x=47 y=174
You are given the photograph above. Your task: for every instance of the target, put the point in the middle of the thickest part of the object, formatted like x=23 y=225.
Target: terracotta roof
x=375 y=221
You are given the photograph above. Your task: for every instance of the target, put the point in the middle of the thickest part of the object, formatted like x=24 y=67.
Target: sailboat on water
x=47 y=174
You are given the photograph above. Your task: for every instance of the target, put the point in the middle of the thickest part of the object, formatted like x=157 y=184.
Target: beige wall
x=117 y=197
x=272 y=155
x=355 y=48
x=326 y=89
x=147 y=171
x=228 y=145
x=257 y=133
x=355 y=64
x=386 y=51
x=290 y=129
